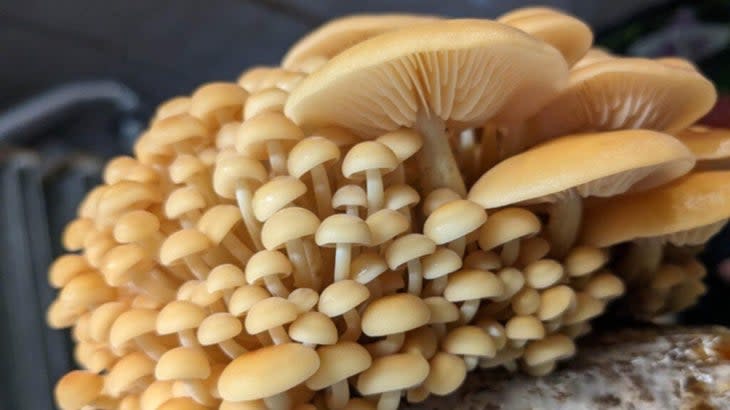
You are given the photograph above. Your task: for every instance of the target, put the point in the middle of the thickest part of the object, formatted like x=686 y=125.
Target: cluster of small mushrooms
x=404 y=200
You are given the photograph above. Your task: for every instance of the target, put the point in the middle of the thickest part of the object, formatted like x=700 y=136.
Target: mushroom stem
x=458 y=246
x=471 y=362
x=151 y=346
x=231 y=348
x=279 y=401
x=389 y=400
x=197 y=390
x=469 y=310
x=337 y=395
x=466 y=146
x=197 y=266
x=187 y=338
x=565 y=216
x=353 y=331
x=643 y=259
x=243 y=198
x=322 y=191
x=314 y=260
x=391 y=344
x=277 y=157
x=297 y=255
x=374 y=183
x=510 y=252
x=237 y=248
x=343 y=257
x=275 y=286
x=435 y=159
x=279 y=335
x=415 y=277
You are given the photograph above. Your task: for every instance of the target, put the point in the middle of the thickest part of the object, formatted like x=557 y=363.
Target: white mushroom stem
x=197 y=266
x=643 y=259
x=352 y=210
x=389 y=400
x=314 y=260
x=151 y=346
x=458 y=246
x=390 y=345
x=469 y=310
x=197 y=390
x=277 y=157
x=231 y=348
x=275 y=286
x=322 y=191
x=280 y=401
x=565 y=216
x=187 y=338
x=352 y=321
x=154 y=284
x=510 y=252
x=337 y=395
x=243 y=198
x=415 y=277
x=471 y=362
x=279 y=335
x=237 y=248
x=343 y=256
x=298 y=257
x=375 y=193
x=438 y=168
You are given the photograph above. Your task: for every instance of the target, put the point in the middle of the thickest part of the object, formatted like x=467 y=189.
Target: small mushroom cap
x=599 y=164
x=367 y=156
x=454 y=220
x=507 y=225
x=385 y=225
x=187 y=289
x=127 y=371
x=87 y=289
x=440 y=263
x=124 y=195
x=179 y=315
x=256 y=131
x=532 y=249
x=130 y=324
x=400 y=196
x=552 y=348
x=65 y=268
x=244 y=297
x=394 y=314
x=309 y=153
x=179 y=202
x=275 y=195
x=392 y=95
x=469 y=341
x=286 y=225
x=341 y=296
x=407 y=248
x=213 y=97
x=556 y=301
x=201 y=297
x=218 y=327
x=267 y=371
x=513 y=281
x=707 y=143
x=182 y=363
x=265 y=263
x=583 y=260
x=75 y=232
x=232 y=170
x=482 y=260
x=586 y=307
x=269 y=99
x=391 y=373
x=593 y=55
x=526 y=301
x=338 y=362
x=339 y=34
x=185 y=242
x=135 y=225
x=77 y=389
x=223 y=277
x=438 y=198
x=442 y=311
x=524 y=328
x=155 y=394
x=184 y=167
x=367 y=266
x=471 y=284
x=543 y=273
x=342 y=228
x=314 y=328
x=181 y=403
x=349 y=195
x=102 y=319
x=605 y=286
x=404 y=142
x=446 y=374
x=673 y=211
x=270 y=313
x=122 y=261
x=305 y=299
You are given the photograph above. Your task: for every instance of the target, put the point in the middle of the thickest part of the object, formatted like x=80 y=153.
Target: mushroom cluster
x=406 y=199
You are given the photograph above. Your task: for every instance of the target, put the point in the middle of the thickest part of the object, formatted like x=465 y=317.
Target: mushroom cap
x=591 y=56
x=267 y=371
x=440 y=263
x=130 y=324
x=338 y=362
x=181 y=403
x=526 y=301
x=171 y=107
x=442 y=311
x=605 y=286
x=552 y=348
x=707 y=143
x=598 y=164
x=582 y=260
x=556 y=301
x=677 y=62
x=399 y=75
x=102 y=319
x=305 y=299
x=179 y=315
x=385 y=225
x=269 y=99
x=314 y=328
x=218 y=327
x=507 y=225
x=393 y=372
x=339 y=34
x=275 y=195
x=422 y=340
x=127 y=371
x=182 y=363
x=155 y=394
x=513 y=281
x=214 y=96
x=586 y=307
x=446 y=374
x=454 y=220
x=403 y=142
x=311 y=152
x=524 y=328
x=257 y=131
x=186 y=289
x=394 y=314
x=686 y=211
x=123 y=168
x=651 y=95
x=225 y=276
x=408 y=247
x=543 y=273
x=218 y=221
x=75 y=232
x=124 y=260
x=135 y=225
x=342 y=137
x=270 y=313
x=471 y=284
x=349 y=195
x=231 y=170
x=179 y=202
x=438 y=198
x=367 y=156
x=184 y=167
x=469 y=341
x=201 y=297
x=265 y=263
x=367 y=266
x=288 y=224
x=532 y=249
x=342 y=228
x=341 y=296
x=87 y=289
x=77 y=389
x=244 y=297
x=123 y=196
x=185 y=242
x=400 y=196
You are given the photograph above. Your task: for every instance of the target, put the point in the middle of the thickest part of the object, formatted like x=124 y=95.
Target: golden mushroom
x=312 y=156
x=389 y=375
x=711 y=146
x=189 y=365
x=337 y=363
x=343 y=232
x=506 y=228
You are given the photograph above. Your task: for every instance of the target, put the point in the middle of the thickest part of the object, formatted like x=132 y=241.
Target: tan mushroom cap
x=183 y=243
x=349 y=195
x=179 y=315
x=368 y=155
x=403 y=142
x=155 y=394
x=311 y=152
x=315 y=328
x=267 y=371
x=408 y=247
x=234 y=169
x=275 y=194
x=183 y=363
x=399 y=196
x=127 y=168
x=446 y=374
x=586 y=307
x=472 y=284
x=123 y=196
x=126 y=371
x=686 y=211
x=86 y=289
x=266 y=126
x=524 y=328
x=225 y=276
x=556 y=301
x=75 y=232
x=342 y=228
x=269 y=99
x=677 y=62
x=711 y=146
x=218 y=221
x=337 y=35
x=181 y=201
x=77 y=389
x=442 y=311
x=653 y=96
x=270 y=313
x=384 y=103
x=507 y=225
x=102 y=319
x=184 y=167
x=65 y=268
x=583 y=260
x=385 y=225
x=305 y=299
x=367 y=266
x=439 y=263
x=469 y=341
x=593 y=55
x=244 y=297
x=218 y=327
x=394 y=372
x=286 y=225
x=181 y=403
x=217 y=98
x=121 y=261
x=341 y=296
x=605 y=286
x=454 y=220
x=422 y=340
x=394 y=314
x=130 y=324
x=552 y=348
x=338 y=362
x=599 y=164
x=265 y=263
x=135 y=225
x=543 y=273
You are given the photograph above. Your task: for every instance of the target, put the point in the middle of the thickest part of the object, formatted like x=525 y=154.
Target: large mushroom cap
x=183 y=363
x=600 y=164
x=77 y=389
x=394 y=314
x=467 y=72
x=130 y=324
x=711 y=146
x=338 y=362
x=341 y=296
x=394 y=372
x=179 y=315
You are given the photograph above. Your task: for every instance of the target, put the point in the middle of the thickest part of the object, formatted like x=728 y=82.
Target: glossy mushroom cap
x=439 y=263
x=394 y=314
x=286 y=225
x=315 y=328
x=394 y=372
x=446 y=373
x=554 y=347
x=507 y=225
x=408 y=247
x=135 y=226
x=342 y=228
x=78 y=389
x=341 y=296
x=183 y=243
x=218 y=327
x=349 y=195
x=183 y=363
x=275 y=194
x=454 y=220
x=226 y=276
x=339 y=362
x=265 y=263
x=469 y=341
x=471 y=284
x=130 y=324
x=179 y=315
x=270 y=313
x=385 y=225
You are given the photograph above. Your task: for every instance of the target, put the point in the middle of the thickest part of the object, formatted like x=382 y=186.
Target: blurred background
x=79 y=78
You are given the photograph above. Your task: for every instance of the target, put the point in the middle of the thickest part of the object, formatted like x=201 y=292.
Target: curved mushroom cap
x=400 y=196
x=442 y=311
x=366 y=156
x=439 y=263
x=181 y=201
x=183 y=243
x=127 y=371
x=438 y=198
x=231 y=170
x=469 y=341
x=265 y=263
x=155 y=394
x=179 y=315
x=524 y=328
x=338 y=362
x=124 y=260
x=471 y=284
x=605 y=286
x=309 y=153
x=556 y=301
x=87 y=289
x=211 y=98
x=275 y=195
x=65 y=268
x=225 y=276
x=314 y=328
x=600 y=164
x=269 y=99
x=552 y=348
x=349 y=195
x=454 y=220
x=422 y=340
x=218 y=221
x=404 y=142
x=394 y=372
x=270 y=313
x=591 y=56
x=183 y=363
x=341 y=296
x=447 y=372
x=102 y=319
x=136 y=225
x=582 y=260
x=255 y=132
x=400 y=76
x=75 y=233
x=367 y=266
x=184 y=167
x=337 y=35
x=342 y=228
x=394 y=314
x=130 y=324
x=218 y=327
x=286 y=225
x=77 y=389
x=305 y=299
x=267 y=371
x=650 y=95
x=181 y=403
x=407 y=248
x=123 y=196
x=244 y=297
x=684 y=212
x=385 y=225
x=709 y=145
x=543 y=273
x=507 y=225
x=586 y=307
